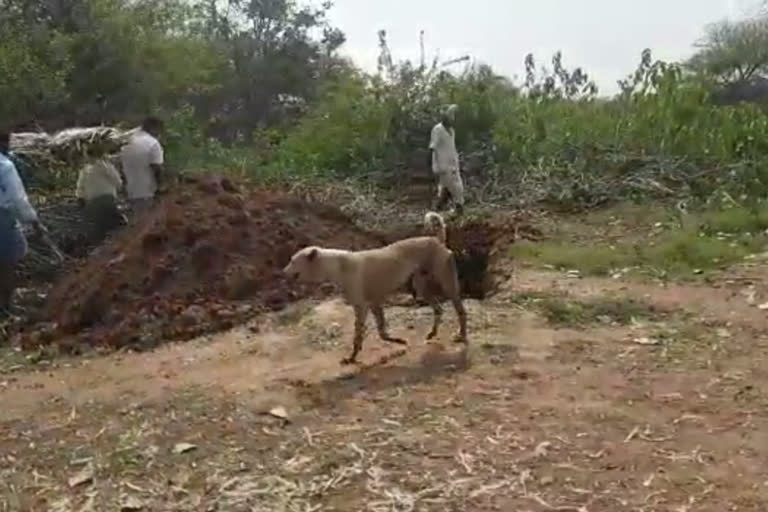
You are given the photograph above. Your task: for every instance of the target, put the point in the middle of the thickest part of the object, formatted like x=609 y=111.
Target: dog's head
x=305 y=265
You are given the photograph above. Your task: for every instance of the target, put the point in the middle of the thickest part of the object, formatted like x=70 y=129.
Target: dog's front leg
x=361 y=314
x=381 y=326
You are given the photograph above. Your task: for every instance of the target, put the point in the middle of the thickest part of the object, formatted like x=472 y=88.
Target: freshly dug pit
x=472 y=244
x=476 y=244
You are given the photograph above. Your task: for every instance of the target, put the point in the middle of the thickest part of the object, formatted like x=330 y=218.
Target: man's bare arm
x=157 y=170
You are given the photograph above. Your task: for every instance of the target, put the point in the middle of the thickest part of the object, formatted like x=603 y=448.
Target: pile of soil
x=210 y=256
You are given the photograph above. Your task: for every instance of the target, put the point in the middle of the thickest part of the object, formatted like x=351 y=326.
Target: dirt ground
x=664 y=411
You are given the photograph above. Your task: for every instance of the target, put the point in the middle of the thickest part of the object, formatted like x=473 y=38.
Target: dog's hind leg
x=361 y=314
x=423 y=287
x=381 y=326
x=458 y=305
x=449 y=281
x=418 y=287
x=437 y=314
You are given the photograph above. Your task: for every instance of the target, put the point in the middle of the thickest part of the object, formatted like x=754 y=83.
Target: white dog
x=367 y=278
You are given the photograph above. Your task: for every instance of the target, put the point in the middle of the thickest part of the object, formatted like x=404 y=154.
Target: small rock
x=184 y=447
x=228 y=186
x=225 y=313
x=117 y=259
x=244 y=309
x=723 y=333
x=85 y=476
x=279 y=412
x=131 y=504
x=193 y=315
x=547 y=480
x=646 y=341
x=542 y=449
x=649 y=480
x=573 y=274
x=334 y=330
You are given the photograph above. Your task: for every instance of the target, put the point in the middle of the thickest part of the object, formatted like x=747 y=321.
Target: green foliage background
x=258 y=88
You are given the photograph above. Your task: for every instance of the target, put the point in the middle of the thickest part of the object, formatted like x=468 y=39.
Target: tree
x=734 y=51
x=559 y=83
x=90 y=61
x=243 y=64
x=272 y=59
x=32 y=76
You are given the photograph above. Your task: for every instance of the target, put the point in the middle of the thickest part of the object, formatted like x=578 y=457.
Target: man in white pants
x=445 y=162
x=142 y=161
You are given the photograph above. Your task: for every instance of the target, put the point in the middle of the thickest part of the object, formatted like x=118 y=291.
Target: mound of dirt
x=208 y=257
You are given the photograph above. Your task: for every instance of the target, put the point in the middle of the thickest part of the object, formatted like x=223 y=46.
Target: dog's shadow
x=435 y=362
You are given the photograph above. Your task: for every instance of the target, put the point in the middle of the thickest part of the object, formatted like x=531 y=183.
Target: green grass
x=591 y=260
x=686 y=252
x=735 y=220
x=564 y=311
x=686 y=343
x=709 y=240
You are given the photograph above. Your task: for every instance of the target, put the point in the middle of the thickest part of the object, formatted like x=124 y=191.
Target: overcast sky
x=605 y=37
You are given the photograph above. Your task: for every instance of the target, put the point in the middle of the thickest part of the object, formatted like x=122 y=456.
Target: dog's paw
x=348 y=361
x=431 y=335
x=460 y=339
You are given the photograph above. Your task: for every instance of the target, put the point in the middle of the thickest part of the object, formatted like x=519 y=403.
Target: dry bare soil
x=581 y=395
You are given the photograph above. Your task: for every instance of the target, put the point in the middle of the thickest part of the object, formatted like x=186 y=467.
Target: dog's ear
x=312 y=255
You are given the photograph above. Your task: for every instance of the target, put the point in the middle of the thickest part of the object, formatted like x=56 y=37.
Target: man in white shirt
x=445 y=162
x=14 y=210
x=142 y=161
x=97 y=187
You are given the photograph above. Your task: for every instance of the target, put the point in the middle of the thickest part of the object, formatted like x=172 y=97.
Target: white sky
x=605 y=37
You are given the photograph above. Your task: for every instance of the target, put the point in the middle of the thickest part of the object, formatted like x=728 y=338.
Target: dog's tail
x=434 y=224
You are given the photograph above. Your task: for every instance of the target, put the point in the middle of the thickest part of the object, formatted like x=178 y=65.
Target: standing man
x=97 y=186
x=445 y=162
x=14 y=210
x=142 y=160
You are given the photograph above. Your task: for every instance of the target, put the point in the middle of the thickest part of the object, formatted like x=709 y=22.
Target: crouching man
x=97 y=187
